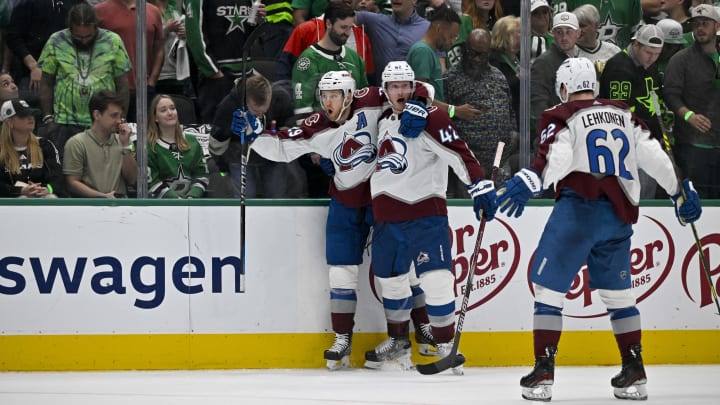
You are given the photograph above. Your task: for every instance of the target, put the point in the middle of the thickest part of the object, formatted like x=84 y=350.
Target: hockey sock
x=343 y=302
x=443 y=334
x=547 y=327
x=398 y=329
x=419 y=312
x=626 y=327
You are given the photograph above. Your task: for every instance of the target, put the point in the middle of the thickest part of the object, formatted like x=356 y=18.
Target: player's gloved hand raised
x=515 y=193
x=327 y=166
x=687 y=210
x=413 y=119
x=484 y=199
x=246 y=125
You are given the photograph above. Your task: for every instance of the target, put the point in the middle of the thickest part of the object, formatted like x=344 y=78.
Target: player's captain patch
x=423 y=258
x=303 y=64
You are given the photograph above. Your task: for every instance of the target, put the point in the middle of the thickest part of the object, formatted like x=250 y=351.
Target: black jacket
x=50 y=173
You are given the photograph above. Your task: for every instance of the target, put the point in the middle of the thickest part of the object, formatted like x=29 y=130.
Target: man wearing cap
x=541 y=40
x=566 y=32
x=631 y=76
x=618 y=18
x=674 y=42
x=692 y=91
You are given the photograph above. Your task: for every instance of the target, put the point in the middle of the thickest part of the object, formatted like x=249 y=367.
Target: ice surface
x=686 y=385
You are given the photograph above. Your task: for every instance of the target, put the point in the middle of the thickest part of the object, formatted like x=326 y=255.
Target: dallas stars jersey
x=411 y=177
x=618 y=18
x=315 y=62
x=216 y=32
x=595 y=147
x=176 y=174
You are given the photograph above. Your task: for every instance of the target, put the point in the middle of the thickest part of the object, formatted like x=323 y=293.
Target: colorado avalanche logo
x=391 y=154
x=355 y=149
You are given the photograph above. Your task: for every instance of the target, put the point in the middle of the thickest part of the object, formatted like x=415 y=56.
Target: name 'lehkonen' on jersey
x=603 y=117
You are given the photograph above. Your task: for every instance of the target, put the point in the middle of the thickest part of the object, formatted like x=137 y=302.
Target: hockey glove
x=246 y=125
x=515 y=193
x=327 y=166
x=413 y=119
x=484 y=199
x=687 y=210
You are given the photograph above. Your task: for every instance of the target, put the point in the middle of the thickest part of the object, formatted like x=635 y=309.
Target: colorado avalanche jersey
x=351 y=146
x=595 y=147
x=411 y=176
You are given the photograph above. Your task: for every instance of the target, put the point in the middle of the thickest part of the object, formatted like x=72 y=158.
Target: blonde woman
x=176 y=164
x=505 y=54
x=29 y=166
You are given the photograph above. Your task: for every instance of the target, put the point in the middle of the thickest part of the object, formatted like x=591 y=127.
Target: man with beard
x=328 y=54
x=309 y=32
x=566 y=32
x=78 y=62
x=692 y=91
x=476 y=82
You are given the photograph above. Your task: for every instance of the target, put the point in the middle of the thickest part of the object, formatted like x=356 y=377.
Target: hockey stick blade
x=441 y=365
x=453 y=359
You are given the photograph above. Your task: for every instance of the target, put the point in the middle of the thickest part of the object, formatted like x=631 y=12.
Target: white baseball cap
x=672 y=30
x=536 y=4
x=566 y=19
x=650 y=35
x=705 y=11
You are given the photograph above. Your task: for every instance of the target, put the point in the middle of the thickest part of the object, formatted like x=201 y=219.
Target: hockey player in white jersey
x=591 y=150
x=346 y=133
x=411 y=236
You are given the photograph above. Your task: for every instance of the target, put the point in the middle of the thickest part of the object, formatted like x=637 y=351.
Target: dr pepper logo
x=650 y=263
x=695 y=281
x=497 y=261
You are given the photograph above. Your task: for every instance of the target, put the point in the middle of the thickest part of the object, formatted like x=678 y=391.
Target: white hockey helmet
x=337 y=80
x=577 y=74
x=398 y=71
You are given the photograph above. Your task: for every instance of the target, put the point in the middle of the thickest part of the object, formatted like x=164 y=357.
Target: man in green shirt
x=328 y=54
x=77 y=62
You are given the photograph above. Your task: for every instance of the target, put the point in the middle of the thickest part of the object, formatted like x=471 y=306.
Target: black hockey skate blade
x=441 y=365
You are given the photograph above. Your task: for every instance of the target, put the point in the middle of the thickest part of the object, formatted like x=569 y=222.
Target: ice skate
x=424 y=339
x=338 y=356
x=630 y=382
x=393 y=352
x=443 y=350
x=537 y=385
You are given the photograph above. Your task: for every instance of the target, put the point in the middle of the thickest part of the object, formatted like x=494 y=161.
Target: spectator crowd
x=68 y=83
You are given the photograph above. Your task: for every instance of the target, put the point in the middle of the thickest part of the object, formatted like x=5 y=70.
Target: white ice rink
x=684 y=385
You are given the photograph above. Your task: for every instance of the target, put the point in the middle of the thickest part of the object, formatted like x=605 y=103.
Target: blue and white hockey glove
x=327 y=166
x=484 y=199
x=246 y=125
x=413 y=119
x=515 y=193
x=687 y=210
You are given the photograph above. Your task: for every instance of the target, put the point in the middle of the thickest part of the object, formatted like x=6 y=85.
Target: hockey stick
x=452 y=359
x=668 y=149
x=245 y=149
